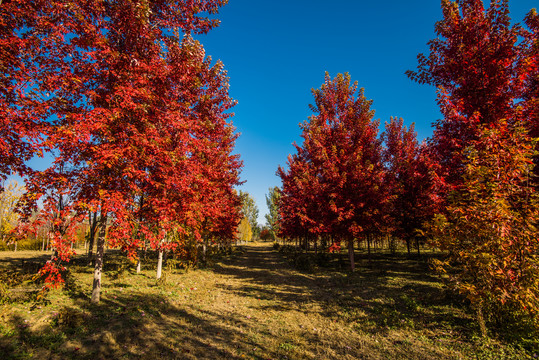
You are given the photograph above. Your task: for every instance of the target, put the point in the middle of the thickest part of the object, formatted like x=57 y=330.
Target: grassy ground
x=251 y=305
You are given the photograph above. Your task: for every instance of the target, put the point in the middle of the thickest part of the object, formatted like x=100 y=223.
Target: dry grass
x=251 y=305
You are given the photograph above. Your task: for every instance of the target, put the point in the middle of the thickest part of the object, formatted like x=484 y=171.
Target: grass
x=250 y=305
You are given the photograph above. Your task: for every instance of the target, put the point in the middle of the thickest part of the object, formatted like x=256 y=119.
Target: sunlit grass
x=252 y=305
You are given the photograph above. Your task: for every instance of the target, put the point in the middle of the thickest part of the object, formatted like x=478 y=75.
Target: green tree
x=250 y=211
x=273 y=217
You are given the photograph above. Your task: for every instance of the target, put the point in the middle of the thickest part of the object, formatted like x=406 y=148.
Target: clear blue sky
x=276 y=51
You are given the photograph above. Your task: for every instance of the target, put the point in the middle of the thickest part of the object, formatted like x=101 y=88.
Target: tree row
x=134 y=116
x=469 y=190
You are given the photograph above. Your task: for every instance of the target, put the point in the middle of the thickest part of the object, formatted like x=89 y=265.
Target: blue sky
x=276 y=51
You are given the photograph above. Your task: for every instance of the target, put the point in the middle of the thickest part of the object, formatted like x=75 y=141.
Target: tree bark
x=98 y=269
x=481 y=319
x=204 y=248
x=159 y=264
x=91 y=235
x=139 y=263
x=351 y=255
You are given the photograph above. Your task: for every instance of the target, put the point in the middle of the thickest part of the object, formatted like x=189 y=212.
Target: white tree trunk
x=138 y=262
x=204 y=249
x=159 y=264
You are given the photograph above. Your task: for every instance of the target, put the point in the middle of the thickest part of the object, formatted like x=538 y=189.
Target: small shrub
x=287 y=346
x=409 y=302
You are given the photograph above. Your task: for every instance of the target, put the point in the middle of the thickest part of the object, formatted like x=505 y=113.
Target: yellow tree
x=9 y=198
x=245 y=232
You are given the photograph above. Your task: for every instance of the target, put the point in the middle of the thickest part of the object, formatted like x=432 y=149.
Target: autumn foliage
x=135 y=114
x=485 y=70
x=339 y=165
x=410 y=179
x=137 y=120
x=347 y=184
x=489 y=229
x=470 y=190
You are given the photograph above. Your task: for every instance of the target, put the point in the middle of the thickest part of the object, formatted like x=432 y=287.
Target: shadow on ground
x=392 y=295
x=393 y=292
x=130 y=326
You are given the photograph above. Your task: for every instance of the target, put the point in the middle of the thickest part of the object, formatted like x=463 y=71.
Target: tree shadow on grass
x=136 y=325
x=386 y=292
x=129 y=327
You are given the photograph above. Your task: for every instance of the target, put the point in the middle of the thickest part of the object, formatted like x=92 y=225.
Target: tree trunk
x=15 y=246
x=408 y=246
x=417 y=244
x=90 y=252
x=204 y=248
x=139 y=263
x=159 y=264
x=392 y=245
x=98 y=269
x=91 y=235
x=351 y=255
x=481 y=320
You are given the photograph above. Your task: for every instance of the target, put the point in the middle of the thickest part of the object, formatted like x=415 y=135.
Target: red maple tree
x=411 y=181
x=124 y=104
x=486 y=73
x=19 y=128
x=335 y=180
x=474 y=64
